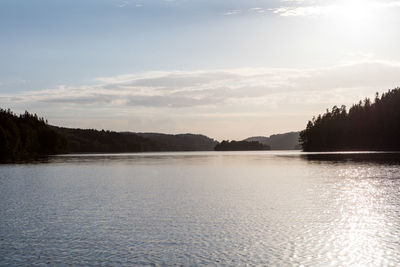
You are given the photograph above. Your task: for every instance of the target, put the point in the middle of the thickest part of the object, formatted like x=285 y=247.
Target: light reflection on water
x=233 y=208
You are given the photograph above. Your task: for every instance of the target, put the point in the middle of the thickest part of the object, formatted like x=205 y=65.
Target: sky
x=228 y=69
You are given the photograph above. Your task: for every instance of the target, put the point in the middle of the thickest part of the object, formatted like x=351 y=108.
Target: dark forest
x=368 y=125
x=27 y=136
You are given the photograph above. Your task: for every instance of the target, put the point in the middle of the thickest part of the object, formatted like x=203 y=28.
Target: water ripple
x=200 y=209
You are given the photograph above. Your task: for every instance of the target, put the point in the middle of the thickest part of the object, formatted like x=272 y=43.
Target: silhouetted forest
x=240 y=146
x=366 y=126
x=27 y=136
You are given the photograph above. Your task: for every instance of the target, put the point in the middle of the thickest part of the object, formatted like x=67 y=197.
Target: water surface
x=214 y=208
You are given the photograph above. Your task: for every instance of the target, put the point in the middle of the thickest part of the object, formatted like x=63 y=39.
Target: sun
x=355 y=16
x=354 y=10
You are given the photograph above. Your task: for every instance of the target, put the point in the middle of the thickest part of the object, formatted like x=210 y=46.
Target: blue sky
x=47 y=43
x=225 y=68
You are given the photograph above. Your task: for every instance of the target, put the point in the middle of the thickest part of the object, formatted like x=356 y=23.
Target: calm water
x=236 y=208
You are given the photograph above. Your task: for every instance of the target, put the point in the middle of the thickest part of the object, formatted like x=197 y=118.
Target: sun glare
x=357 y=18
x=354 y=10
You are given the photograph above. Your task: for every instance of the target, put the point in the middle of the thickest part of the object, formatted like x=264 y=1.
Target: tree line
x=240 y=146
x=28 y=136
x=368 y=125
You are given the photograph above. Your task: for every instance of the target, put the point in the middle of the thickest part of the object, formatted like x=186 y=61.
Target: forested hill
x=285 y=141
x=366 y=126
x=26 y=136
x=80 y=141
x=181 y=142
x=95 y=141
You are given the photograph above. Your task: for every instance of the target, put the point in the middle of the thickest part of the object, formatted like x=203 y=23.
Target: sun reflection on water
x=363 y=223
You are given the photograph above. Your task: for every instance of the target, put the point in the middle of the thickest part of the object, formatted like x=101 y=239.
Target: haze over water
x=230 y=208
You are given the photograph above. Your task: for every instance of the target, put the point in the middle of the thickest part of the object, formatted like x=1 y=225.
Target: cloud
x=219 y=88
x=120 y=3
x=232 y=12
x=290 y=11
x=303 y=8
x=258 y=10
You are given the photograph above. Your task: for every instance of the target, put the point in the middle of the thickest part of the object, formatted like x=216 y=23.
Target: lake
x=202 y=208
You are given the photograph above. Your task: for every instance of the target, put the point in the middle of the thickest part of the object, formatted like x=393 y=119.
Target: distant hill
x=95 y=141
x=181 y=142
x=240 y=146
x=285 y=141
x=261 y=139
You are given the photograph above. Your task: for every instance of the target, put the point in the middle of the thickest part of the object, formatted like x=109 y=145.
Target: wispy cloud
x=292 y=11
x=258 y=10
x=303 y=8
x=120 y=3
x=232 y=12
x=177 y=89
